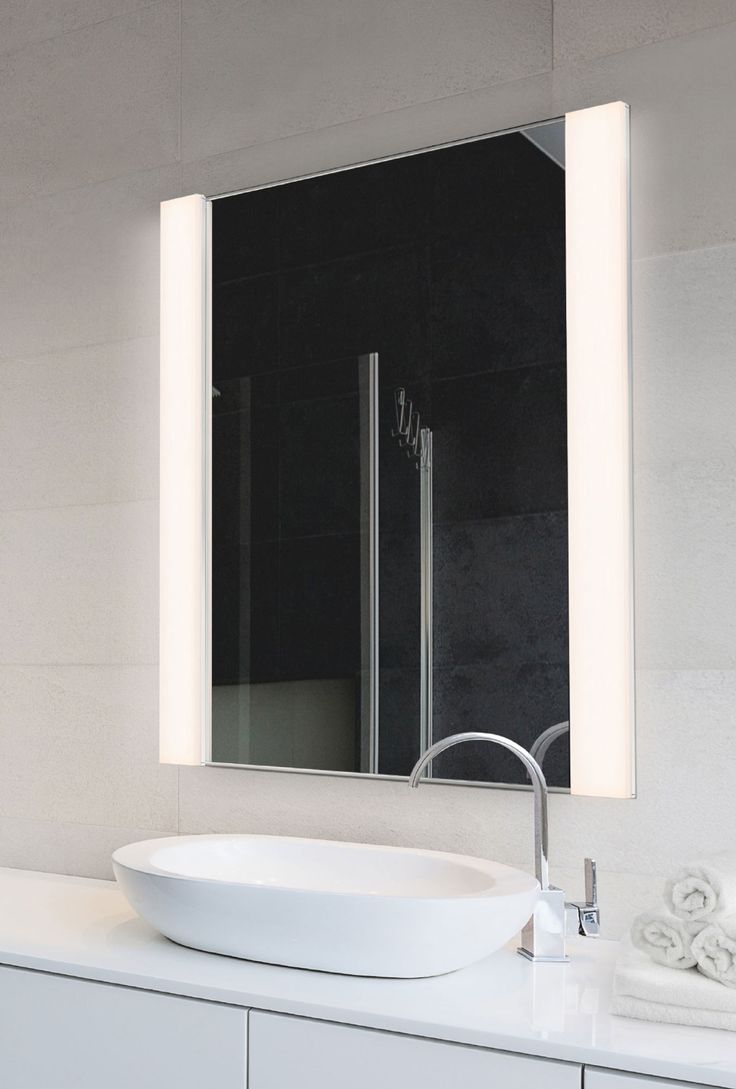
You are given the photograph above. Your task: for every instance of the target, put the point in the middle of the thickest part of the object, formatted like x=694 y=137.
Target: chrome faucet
x=543 y=937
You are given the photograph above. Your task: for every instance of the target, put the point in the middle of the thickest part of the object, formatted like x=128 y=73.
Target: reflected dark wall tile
x=264 y=468
x=503 y=185
x=518 y=701
x=244 y=610
x=264 y=614
x=500 y=444
x=319 y=606
x=500 y=591
x=245 y=330
x=398 y=703
x=319 y=466
x=373 y=207
x=245 y=457
x=498 y=302
x=399 y=599
x=231 y=559
x=316 y=380
x=374 y=303
x=245 y=233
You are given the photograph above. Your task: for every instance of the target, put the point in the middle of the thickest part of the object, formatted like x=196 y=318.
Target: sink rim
x=503 y=880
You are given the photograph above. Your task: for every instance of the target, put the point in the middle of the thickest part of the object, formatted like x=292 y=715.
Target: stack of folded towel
x=695 y=933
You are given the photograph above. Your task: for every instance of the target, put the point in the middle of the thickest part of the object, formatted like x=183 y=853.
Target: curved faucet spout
x=539 y=787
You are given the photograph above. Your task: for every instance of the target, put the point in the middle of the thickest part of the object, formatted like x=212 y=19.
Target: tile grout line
x=38 y=358
x=81 y=506
x=581 y=61
x=143 y=5
x=552 y=33
x=181 y=86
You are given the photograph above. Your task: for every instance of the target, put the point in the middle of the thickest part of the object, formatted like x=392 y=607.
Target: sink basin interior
x=315 y=865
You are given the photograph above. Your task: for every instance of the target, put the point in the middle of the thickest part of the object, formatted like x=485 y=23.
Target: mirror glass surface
x=389 y=464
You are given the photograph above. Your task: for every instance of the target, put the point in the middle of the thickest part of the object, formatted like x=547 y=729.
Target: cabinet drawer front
x=63 y=1033
x=614 y=1079
x=295 y=1053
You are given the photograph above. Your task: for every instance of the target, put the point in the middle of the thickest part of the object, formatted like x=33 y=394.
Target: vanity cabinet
x=287 y=1051
x=614 y=1079
x=62 y=1033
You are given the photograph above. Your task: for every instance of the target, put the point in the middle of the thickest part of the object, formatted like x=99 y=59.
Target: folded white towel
x=714 y=949
x=649 y=992
x=704 y=889
x=665 y=939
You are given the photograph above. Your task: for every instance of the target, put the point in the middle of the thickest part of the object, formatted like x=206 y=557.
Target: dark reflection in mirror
x=449 y=266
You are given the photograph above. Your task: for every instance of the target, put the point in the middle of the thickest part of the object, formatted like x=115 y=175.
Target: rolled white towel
x=703 y=889
x=665 y=939
x=651 y=993
x=714 y=949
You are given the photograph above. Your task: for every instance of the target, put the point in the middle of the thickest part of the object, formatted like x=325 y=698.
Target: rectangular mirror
x=393 y=367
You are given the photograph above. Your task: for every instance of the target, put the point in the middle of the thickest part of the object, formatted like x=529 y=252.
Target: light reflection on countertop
x=82 y=927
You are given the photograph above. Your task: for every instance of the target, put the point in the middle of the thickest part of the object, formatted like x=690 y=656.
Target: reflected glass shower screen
x=294 y=557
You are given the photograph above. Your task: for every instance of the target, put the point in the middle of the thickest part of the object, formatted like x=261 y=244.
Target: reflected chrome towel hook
x=411 y=435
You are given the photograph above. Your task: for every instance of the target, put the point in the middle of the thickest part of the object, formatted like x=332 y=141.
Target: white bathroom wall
x=108 y=107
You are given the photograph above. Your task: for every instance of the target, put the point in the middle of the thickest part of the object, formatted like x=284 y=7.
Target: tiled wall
x=109 y=106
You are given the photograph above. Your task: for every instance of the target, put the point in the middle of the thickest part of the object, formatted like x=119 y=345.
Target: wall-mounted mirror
x=385 y=405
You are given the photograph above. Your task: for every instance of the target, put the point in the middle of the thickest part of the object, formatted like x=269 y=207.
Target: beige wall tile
x=83 y=850
x=79 y=744
x=684 y=373
x=24 y=21
x=591 y=28
x=79 y=584
x=683 y=134
x=685 y=556
x=80 y=426
x=263 y=70
x=93 y=104
x=81 y=267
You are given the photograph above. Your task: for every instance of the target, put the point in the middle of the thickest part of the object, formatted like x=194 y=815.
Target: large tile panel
x=591 y=28
x=683 y=134
x=684 y=373
x=686 y=767
x=24 y=21
x=82 y=266
x=263 y=70
x=83 y=850
x=79 y=584
x=685 y=556
x=80 y=426
x=92 y=104
x=79 y=744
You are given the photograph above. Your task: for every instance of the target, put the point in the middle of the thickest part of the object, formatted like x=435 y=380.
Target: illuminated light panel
x=599 y=452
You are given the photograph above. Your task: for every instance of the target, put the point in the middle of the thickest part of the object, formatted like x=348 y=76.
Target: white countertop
x=80 y=927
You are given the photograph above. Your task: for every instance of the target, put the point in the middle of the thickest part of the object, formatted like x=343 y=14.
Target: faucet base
x=541 y=960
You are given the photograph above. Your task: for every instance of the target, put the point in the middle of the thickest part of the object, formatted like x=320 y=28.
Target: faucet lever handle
x=589 y=916
x=591 y=883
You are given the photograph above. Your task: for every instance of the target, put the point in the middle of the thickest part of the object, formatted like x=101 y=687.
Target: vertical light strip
x=599 y=452
x=182 y=479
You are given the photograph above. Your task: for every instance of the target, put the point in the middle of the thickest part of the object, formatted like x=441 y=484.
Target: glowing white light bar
x=599 y=452
x=182 y=479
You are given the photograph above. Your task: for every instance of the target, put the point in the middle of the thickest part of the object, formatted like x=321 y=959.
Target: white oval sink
x=337 y=907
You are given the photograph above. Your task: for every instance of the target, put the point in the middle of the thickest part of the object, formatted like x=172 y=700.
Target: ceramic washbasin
x=352 y=908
